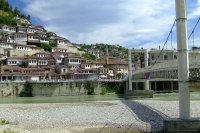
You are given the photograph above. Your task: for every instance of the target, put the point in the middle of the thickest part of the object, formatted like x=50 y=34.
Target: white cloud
x=130 y=23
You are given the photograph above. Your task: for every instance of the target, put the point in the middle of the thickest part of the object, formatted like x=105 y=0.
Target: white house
x=20 y=38
x=160 y=56
x=21 y=47
x=32 y=60
x=21 y=29
x=58 y=59
x=42 y=54
x=8 y=29
x=62 y=41
x=15 y=60
x=72 y=61
x=91 y=65
x=94 y=52
x=6 y=45
x=56 y=49
x=33 y=38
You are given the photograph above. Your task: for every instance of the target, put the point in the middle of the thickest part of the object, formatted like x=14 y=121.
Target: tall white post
x=130 y=69
x=146 y=64
x=146 y=84
x=146 y=58
x=183 y=63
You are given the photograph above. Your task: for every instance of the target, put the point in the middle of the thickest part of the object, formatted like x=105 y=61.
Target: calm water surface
x=60 y=99
x=87 y=98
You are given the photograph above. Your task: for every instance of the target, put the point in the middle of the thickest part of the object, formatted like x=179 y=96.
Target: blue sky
x=129 y=23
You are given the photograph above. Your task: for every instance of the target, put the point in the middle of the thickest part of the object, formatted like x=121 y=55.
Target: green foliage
x=8 y=130
x=52 y=44
x=89 y=86
x=8 y=19
x=89 y=56
x=110 y=88
x=1 y=63
x=24 y=64
x=116 y=54
x=77 y=54
x=28 y=17
x=44 y=45
x=69 y=67
x=4 y=122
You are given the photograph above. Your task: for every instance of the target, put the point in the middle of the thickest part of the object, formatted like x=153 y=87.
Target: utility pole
x=183 y=62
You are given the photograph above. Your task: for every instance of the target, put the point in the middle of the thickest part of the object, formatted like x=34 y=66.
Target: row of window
x=42 y=62
x=23 y=48
x=73 y=60
x=12 y=62
x=92 y=65
x=6 y=45
x=32 y=61
x=165 y=57
x=61 y=50
x=20 y=36
x=22 y=30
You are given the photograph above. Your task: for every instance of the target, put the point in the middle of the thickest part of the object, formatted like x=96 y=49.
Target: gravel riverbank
x=117 y=116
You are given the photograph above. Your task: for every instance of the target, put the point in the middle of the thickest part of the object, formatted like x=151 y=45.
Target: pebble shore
x=124 y=115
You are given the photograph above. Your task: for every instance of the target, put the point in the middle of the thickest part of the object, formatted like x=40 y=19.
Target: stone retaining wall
x=44 y=89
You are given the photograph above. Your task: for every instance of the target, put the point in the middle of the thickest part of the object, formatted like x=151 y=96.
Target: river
x=87 y=98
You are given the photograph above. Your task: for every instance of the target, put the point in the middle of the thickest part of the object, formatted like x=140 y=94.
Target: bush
x=89 y=86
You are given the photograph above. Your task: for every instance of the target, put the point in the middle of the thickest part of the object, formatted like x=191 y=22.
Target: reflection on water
x=60 y=99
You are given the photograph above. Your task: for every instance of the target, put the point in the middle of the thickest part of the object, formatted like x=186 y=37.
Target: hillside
x=8 y=14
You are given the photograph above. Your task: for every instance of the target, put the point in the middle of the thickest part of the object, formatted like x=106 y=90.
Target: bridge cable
x=194 y=29
x=192 y=33
x=164 y=44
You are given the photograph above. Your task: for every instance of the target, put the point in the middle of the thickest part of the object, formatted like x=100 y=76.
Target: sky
x=130 y=23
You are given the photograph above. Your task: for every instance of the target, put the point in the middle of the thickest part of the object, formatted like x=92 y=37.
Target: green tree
x=77 y=54
x=16 y=11
x=89 y=56
x=2 y=5
x=44 y=45
x=89 y=86
x=28 y=17
x=6 y=6
x=52 y=44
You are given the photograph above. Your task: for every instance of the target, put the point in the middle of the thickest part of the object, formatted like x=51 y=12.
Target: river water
x=87 y=98
x=60 y=99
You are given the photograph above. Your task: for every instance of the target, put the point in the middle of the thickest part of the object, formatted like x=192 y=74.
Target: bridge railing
x=168 y=72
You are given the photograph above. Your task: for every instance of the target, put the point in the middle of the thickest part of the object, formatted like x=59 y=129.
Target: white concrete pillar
x=146 y=84
x=130 y=69
x=146 y=58
x=183 y=63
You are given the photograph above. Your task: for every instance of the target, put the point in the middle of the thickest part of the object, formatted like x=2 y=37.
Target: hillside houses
x=22 y=59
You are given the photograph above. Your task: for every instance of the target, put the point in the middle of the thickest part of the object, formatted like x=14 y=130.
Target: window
x=165 y=57
x=175 y=56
